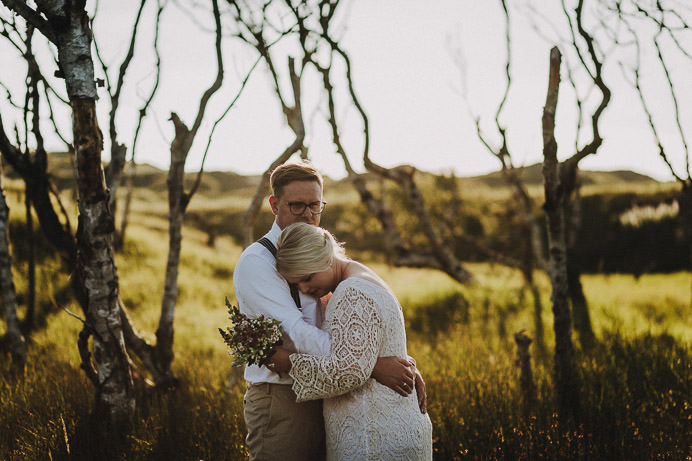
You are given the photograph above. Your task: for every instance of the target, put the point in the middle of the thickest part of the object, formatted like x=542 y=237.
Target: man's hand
x=397 y=374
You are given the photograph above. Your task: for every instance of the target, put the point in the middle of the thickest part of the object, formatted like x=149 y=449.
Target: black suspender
x=295 y=294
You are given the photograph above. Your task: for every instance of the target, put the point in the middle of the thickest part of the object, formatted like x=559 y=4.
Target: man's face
x=307 y=192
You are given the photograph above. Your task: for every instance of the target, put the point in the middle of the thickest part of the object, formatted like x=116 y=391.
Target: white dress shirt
x=261 y=290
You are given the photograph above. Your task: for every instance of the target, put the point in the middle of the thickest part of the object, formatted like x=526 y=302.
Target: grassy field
x=635 y=383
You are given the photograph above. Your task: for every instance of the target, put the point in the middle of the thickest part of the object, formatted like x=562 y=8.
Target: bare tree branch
x=439 y=257
x=231 y=105
x=129 y=175
x=253 y=32
x=569 y=168
x=31 y=16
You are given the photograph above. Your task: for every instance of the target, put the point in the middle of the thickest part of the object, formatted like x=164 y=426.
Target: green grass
x=635 y=383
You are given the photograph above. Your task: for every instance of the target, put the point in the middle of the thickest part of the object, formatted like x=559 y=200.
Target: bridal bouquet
x=250 y=340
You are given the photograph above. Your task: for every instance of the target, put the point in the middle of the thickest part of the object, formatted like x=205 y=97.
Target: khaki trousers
x=281 y=429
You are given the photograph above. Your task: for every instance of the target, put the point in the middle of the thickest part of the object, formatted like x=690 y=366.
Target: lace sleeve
x=355 y=327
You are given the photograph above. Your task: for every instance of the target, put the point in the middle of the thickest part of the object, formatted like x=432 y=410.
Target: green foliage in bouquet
x=250 y=341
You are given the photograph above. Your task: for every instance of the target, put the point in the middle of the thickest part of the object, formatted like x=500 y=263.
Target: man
x=278 y=427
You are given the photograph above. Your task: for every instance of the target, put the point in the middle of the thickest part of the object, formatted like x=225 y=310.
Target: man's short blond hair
x=304 y=249
x=290 y=172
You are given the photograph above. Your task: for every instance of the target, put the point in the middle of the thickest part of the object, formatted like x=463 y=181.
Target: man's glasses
x=298 y=208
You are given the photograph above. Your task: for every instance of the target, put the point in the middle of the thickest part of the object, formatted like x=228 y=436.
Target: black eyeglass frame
x=303 y=206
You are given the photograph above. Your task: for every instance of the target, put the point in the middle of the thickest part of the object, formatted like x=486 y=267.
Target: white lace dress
x=364 y=420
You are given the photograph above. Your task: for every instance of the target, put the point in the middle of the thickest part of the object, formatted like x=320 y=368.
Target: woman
x=363 y=419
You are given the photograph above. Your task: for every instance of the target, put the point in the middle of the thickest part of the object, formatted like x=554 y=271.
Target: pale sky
x=419 y=105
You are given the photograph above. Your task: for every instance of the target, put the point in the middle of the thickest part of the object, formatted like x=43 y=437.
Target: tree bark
x=67 y=25
x=539 y=330
x=15 y=340
x=160 y=357
x=89 y=257
x=98 y=275
x=177 y=204
x=31 y=267
x=565 y=379
x=114 y=171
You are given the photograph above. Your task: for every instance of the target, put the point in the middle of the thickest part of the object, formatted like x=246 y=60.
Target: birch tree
x=557 y=270
x=156 y=358
x=66 y=25
x=159 y=357
x=559 y=183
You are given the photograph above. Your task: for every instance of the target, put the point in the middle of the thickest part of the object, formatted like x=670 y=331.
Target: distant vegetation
x=619 y=232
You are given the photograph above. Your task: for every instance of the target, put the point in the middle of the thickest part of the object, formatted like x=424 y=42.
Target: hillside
x=532 y=176
x=481 y=210
x=60 y=166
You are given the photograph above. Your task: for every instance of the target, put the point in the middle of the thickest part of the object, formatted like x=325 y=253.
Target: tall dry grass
x=635 y=383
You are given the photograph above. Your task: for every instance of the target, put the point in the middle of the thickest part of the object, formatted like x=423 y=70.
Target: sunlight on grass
x=652 y=303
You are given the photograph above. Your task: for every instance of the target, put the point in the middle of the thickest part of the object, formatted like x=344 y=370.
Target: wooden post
x=528 y=390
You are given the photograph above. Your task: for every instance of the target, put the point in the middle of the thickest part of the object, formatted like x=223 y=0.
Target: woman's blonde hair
x=304 y=249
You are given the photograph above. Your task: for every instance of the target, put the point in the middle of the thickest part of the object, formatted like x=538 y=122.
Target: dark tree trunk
x=28 y=321
x=15 y=340
x=158 y=358
x=580 y=306
x=685 y=203
x=114 y=172
x=527 y=267
x=564 y=375
x=38 y=189
x=539 y=330
x=177 y=204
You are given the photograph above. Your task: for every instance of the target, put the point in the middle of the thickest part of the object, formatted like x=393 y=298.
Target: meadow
x=636 y=381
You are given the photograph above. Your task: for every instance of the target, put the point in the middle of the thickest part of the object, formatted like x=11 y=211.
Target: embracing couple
x=342 y=385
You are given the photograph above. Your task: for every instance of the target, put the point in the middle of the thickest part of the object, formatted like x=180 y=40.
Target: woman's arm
x=356 y=331
x=396 y=373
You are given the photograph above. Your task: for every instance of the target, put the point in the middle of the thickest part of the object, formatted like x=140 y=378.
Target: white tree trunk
x=66 y=24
